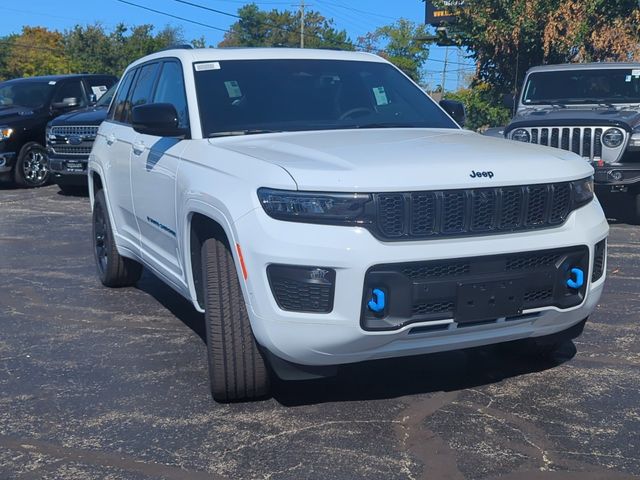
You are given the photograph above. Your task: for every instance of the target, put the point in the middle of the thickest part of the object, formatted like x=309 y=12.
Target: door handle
x=111 y=139
x=138 y=148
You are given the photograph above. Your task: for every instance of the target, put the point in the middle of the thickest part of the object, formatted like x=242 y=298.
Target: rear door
x=154 y=166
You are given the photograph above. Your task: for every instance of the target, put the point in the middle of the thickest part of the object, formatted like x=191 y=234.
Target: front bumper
x=72 y=169
x=616 y=177
x=338 y=337
x=7 y=161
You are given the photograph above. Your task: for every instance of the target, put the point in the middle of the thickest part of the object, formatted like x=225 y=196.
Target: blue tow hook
x=576 y=280
x=377 y=303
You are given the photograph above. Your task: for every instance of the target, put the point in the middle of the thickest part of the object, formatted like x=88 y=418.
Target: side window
x=97 y=86
x=170 y=89
x=119 y=105
x=70 y=94
x=143 y=88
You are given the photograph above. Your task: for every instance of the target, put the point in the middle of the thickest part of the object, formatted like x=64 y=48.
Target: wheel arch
x=201 y=227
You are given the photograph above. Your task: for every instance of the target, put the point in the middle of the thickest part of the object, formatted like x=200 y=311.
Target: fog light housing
x=307 y=289
x=616 y=175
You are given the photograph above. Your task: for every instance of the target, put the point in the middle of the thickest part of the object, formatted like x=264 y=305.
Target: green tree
x=481 y=107
x=401 y=44
x=505 y=38
x=35 y=51
x=260 y=28
x=93 y=50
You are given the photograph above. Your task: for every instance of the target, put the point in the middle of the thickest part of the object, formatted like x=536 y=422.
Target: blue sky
x=355 y=16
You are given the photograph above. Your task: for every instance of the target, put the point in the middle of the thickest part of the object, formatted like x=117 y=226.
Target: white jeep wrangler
x=321 y=209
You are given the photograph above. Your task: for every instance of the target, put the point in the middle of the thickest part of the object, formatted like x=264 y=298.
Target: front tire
x=114 y=270
x=32 y=167
x=237 y=369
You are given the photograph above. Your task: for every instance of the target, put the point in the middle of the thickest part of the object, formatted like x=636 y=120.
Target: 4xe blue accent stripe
x=161 y=226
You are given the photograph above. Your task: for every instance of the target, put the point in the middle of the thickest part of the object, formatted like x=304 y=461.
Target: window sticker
x=99 y=90
x=52 y=82
x=381 y=96
x=635 y=72
x=627 y=78
x=233 y=89
x=202 y=67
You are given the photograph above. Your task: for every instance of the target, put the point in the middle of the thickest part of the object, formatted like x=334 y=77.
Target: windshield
x=259 y=96
x=25 y=94
x=105 y=99
x=619 y=85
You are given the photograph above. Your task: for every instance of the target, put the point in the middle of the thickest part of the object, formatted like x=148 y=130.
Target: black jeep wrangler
x=26 y=105
x=593 y=110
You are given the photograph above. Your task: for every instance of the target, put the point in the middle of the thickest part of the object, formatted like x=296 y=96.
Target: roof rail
x=181 y=46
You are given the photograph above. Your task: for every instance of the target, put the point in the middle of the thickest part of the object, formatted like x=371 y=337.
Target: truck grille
x=80 y=130
x=72 y=140
x=416 y=215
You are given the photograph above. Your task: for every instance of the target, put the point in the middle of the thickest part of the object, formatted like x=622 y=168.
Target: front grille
x=599 y=260
x=420 y=215
x=440 y=290
x=584 y=141
x=70 y=130
x=71 y=150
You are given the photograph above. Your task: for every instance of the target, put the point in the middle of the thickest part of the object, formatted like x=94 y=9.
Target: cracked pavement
x=112 y=384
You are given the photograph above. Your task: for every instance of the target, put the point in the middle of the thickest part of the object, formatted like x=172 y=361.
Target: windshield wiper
x=237 y=133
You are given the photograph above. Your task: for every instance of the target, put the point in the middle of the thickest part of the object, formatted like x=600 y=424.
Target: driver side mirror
x=157 y=119
x=455 y=110
x=69 y=102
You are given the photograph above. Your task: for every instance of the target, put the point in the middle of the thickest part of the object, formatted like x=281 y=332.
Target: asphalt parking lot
x=105 y=384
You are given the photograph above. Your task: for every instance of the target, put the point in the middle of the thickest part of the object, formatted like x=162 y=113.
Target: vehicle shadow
x=383 y=379
x=174 y=302
x=438 y=372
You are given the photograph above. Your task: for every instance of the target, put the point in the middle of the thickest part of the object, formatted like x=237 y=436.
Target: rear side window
x=119 y=105
x=170 y=89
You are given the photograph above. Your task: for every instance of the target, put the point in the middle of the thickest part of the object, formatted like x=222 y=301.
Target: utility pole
x=444 y=69
x=301 y=23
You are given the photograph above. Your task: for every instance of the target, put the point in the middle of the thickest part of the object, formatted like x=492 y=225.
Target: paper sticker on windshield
x=381 y=96
x=99 y=90
x=635 y=73
x=52 y=82
x=233 y=89
x=627 y=78
x=202 y=67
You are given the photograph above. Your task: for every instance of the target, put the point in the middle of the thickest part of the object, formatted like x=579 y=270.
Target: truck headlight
x=5 y=133
x=582 y=191
x=612 y=138
x=315 y=207
x=521 y=135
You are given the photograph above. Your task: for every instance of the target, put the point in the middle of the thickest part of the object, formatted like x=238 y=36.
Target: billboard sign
x=440 y=15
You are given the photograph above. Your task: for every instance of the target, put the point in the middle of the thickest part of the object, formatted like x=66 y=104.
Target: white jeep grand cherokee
x=321 y=209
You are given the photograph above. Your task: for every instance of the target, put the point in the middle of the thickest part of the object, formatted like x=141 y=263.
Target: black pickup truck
x=593 y=110
x=69 y=141
x=26 y=105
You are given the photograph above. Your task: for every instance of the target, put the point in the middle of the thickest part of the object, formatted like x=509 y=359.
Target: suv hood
x=624 y=117
x=406 y=159
x=84 y=116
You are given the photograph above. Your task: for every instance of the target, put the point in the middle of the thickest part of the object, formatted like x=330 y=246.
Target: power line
x=173 y=16
x=359 y=11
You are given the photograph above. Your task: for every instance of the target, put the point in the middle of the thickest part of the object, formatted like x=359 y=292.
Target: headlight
x=521 y=135
x=582 y=191
x=5 y=133
x=612 y=138
x=311 y=207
